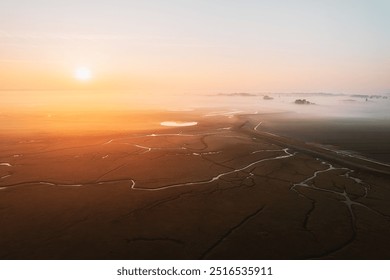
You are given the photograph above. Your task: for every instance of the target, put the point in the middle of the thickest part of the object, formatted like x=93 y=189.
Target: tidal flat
x=225 y=188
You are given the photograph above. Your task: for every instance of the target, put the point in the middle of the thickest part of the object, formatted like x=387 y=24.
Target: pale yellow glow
x=83 y=74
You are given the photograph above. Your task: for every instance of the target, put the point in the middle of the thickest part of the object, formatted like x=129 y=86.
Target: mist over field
x=247 y=130
x=323 y=105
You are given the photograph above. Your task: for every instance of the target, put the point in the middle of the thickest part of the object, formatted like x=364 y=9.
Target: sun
x=82 y=74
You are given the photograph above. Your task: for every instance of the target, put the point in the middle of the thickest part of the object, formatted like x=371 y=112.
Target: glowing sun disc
x=82 y=74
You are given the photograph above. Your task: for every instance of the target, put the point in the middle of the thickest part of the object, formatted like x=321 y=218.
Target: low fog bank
x=317 y=105
x=355 y=124
x=321 y=105
x=350 y=122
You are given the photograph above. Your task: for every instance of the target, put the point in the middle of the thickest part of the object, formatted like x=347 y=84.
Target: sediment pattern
x=214 y=192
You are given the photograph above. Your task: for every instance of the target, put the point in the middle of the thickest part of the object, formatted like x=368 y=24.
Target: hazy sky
x=213 y=45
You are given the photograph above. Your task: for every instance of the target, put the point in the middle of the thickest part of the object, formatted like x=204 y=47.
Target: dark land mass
x=224 y=189
x=368 y=137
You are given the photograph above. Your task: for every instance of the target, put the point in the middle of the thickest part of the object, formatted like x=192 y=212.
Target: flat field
x=225 y=188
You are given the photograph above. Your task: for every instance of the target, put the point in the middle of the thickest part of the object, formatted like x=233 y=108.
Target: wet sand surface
x=367 y=137
x=223 y=189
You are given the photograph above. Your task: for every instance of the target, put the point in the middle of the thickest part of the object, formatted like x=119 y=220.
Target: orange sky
x=196 y=45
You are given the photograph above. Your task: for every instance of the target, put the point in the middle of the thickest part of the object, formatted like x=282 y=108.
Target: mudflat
x=222 y=189
x=369 y=137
